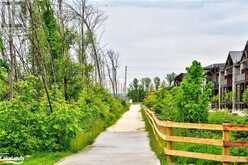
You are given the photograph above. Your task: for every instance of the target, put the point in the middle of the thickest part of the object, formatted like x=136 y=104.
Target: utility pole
x=125 y=82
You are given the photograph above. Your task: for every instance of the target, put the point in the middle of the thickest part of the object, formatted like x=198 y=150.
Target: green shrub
x=228 y=96
x=162 y=102
x=26 y=127
x=193 y=95
x=137 y=91
x=186 y=103
x=4 y=67
x=24 y=130
x=215 y=99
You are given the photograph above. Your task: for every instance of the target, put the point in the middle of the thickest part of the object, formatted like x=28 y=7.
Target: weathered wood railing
x=164 y=130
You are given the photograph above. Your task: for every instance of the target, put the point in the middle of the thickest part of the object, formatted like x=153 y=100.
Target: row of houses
x=229 y=77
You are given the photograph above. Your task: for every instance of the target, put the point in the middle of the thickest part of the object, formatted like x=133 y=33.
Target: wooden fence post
x=225 y=138
x=164 y=131
x=169 y=145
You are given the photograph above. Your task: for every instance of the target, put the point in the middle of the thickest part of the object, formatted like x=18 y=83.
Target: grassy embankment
x=82 y=140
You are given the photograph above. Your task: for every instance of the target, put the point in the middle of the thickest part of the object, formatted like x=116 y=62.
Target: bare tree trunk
x=15 y=65
x=14 y=52
x=83 y=60
x=24 y=64
x=64 y=54
x=112 y=72
x=83 y=46
x=11 y=54
x=91 y=19
x=111 y=80
x=97 y=61
x=33 y=67
x=36 y=43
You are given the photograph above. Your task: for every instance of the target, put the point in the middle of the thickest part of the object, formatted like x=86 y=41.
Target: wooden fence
x=164 y=130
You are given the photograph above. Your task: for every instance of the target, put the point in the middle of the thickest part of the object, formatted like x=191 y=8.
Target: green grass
x=156 y=143
x=219 y=117
x=45 y=158
x=78 y=143
x=82 y=140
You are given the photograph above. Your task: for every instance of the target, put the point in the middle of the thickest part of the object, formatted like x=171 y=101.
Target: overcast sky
x=156 y=37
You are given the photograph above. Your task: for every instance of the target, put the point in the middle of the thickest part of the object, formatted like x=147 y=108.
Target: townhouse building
x=229 y=79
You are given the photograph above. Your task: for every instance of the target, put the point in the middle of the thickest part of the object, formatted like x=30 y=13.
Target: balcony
x=240 y=77
x=215 y=84
x=228 y=71
x=244 y=65
x=224 y=82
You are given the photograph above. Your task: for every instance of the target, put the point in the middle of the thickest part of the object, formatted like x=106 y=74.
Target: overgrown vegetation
x=189 y=103
x=52 y=98
x=186 y=103
x=136 y=91
x=26 y=126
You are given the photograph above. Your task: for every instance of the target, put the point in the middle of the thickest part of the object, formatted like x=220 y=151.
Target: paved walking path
x=125 y=143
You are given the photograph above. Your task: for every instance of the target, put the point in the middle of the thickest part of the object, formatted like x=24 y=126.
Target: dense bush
x=193 y=96
x=245 y=96
x=186 y=103
x=27 y=127
x=3 y=75
x=137 y=91
x=49 y=93
x=163 y=103
x=228 y=96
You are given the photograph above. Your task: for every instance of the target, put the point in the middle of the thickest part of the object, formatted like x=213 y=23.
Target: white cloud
x=165 y=37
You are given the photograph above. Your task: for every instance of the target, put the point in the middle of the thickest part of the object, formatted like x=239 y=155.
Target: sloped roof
x=246 y=46
x=236 y=56
x=180 y=76
x=217 y=65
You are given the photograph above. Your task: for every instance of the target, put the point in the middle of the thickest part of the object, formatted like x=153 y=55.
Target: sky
x=156 y=37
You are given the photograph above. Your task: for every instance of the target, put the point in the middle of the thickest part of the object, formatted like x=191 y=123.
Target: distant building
x=231 y=76
x=212 y=73
x=179 y=78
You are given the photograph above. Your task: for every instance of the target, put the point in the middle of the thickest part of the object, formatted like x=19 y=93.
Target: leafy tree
x=170 y=78
x=52 y=29
x=193 y=96
x=136 y=91
x=156 y=83
x=135 y=83
x=163 y=103
x=49 y=103
x=245 y=96
x=4 y=67
x=146 y=82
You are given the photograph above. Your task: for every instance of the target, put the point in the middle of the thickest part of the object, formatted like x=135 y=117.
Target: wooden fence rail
x=164 y=130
